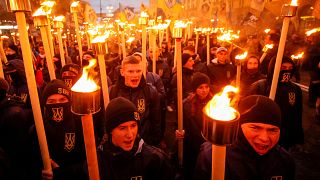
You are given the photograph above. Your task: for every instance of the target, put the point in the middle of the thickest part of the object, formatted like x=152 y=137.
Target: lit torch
x=177 y=34
x=287 y=12
x=220 y=127
x=240 y=59
x=143 y=21
x=297 y=58
x=58 y=25
x=265 y=51
x=85 y=95
x=267 y=30
x=310 y=32
x=2 y=55
x=74 y=8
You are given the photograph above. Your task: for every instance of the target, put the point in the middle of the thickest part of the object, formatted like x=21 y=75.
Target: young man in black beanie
x=125 y=155
x=255 y=155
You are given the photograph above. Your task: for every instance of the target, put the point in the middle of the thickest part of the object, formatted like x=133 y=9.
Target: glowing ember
x=39 y=12
x=49 y=4
x=242 y=56
x=267 y=31
x=219 y=106
x=86 y=84
x=144 y=14
x=298 y=56
x=294 y=3
x=180 y=24
x=59 y=18
x=308 y=33
x=75 y=4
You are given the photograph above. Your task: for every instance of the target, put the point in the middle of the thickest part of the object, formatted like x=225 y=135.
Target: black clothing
x=142 y=162
x=146 y=99
x=186 y=82
x=221 y=74
x=162 y=69
x=246 y=81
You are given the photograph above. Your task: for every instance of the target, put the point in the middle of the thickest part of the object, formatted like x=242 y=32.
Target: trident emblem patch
x=292 y=98
x=286 y=77
x=69 y=141
x=57 y=114
x=68 y=82
x=141 y=106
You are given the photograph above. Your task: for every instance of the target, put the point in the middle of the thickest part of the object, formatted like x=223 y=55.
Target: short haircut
x=130 y=60
x=189 y=48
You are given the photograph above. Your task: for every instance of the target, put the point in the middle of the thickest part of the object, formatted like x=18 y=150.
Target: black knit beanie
x=55 y=86
x=185 y=57
x=199 y=78
x=259 y=109
x=72 y=68
x=120 y=110
x=14 y=48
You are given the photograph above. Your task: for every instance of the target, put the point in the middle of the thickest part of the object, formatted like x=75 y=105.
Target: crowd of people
x=130 y=130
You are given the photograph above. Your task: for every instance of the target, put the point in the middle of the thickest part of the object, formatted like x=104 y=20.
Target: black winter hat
x=185 y=58
x=72 y=68
x=199 y=78
x=14 y=47
x=120 y=110
x=259 y=109
x=55 y=86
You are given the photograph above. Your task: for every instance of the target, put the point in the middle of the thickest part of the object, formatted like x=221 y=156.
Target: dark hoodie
x=289 y=99
x=146 y=99
x=243 y=163
x=141 y=162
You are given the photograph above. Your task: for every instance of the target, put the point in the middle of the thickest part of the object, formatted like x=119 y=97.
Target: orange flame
x=180 y=24
x=242 y=56
x=59 y=18
x=39 y=12
x=298 y=56
x=308 y=33
x=267 y=31
x=219 y=106
x=294 y=3
x=266 y=47
x=75 y=4
x=144 y=14
x=85 y=83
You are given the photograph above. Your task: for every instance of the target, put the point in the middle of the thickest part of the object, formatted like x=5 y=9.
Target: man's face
x=41 y=50
x=132 y=74
x=190 y=43
x=151 y=53
x=286 y=66
x=9 y=51
x=203 y=91
x=262 y=137
x=252 y=63
x=57 y=98
x=124 y=135
x=222 y=56
x=189 y=64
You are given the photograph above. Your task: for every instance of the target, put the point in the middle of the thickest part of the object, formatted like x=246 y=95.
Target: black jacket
x=162 y=69
x=243 y=163
x=142 y=162
x=146 y=99
x=221 y=74
x=186 y=82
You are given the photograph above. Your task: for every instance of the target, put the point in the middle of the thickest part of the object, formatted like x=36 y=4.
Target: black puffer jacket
x=146 y=99
x=221 y=74
x=243 y=163
x=142 y=162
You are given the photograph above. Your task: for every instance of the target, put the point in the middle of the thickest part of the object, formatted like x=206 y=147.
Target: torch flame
x=225 y=37
x=294 y=3
x=59 y=18
x=267 y=31
x=308 y=33
x=180 y=24
x=130 y=40
x=86 y=84
x=49 y=4
x=39 y=12
x=219 y=106
x=75 y=4
x=242 y=56
x=4 y=37
x=298 y=56
x=100 y=38
x=269 y=46
x=144 y=14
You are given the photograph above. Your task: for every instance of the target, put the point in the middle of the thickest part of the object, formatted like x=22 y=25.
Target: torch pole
x=197 y=42
x=63 y=60
x=90 y=144
x=218 y=162
x=43 y=31
x=103 y=74
x=208 y=48
x=154 y=50
x=180 y=97
x=32 y=87
x=124 y=53
x=167 y=34
x=144 y=50
x=2 y=53
x=238 y=74
x=262 y=57
x=75 y=17
x=287 y=11
x=49 y=35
